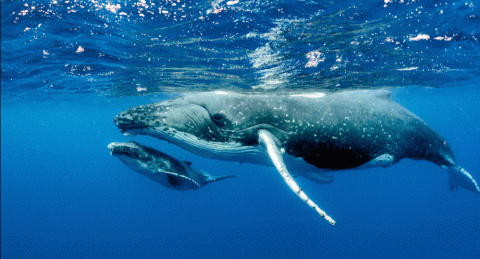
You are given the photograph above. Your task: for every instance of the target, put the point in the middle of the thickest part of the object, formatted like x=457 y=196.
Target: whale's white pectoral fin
x=459 y=176
x=270 y=143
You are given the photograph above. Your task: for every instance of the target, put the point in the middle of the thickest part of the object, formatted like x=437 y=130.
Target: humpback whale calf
x=303 y=133
x=160 y=167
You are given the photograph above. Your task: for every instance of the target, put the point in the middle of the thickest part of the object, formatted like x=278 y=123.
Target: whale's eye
x=218 y=117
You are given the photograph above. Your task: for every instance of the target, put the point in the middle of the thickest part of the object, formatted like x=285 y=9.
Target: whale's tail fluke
x=458 y=176
x=209 y=178
x=221 y=177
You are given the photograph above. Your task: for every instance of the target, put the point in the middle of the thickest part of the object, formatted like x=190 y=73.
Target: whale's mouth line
x=229 y=150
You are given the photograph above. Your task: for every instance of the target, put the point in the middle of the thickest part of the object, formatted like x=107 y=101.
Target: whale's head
x=136 y=156
x=216 y=125
x=170 y=119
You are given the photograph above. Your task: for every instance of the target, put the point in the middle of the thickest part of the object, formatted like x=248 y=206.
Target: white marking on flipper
x=268 y=141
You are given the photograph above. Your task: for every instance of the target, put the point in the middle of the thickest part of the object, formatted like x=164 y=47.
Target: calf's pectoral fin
x=271 y=144
x=459 y=176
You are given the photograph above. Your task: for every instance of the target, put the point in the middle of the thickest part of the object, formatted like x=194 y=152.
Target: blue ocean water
x=68 y=67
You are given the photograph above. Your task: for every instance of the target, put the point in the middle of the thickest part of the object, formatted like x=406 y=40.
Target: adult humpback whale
x=306 y=132
x=160 y=167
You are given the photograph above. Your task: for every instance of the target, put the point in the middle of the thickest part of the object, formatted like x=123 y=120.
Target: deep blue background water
x=64 y=196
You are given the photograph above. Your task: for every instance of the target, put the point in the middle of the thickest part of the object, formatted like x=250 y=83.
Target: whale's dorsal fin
x=188 y=163
x=270 y=143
